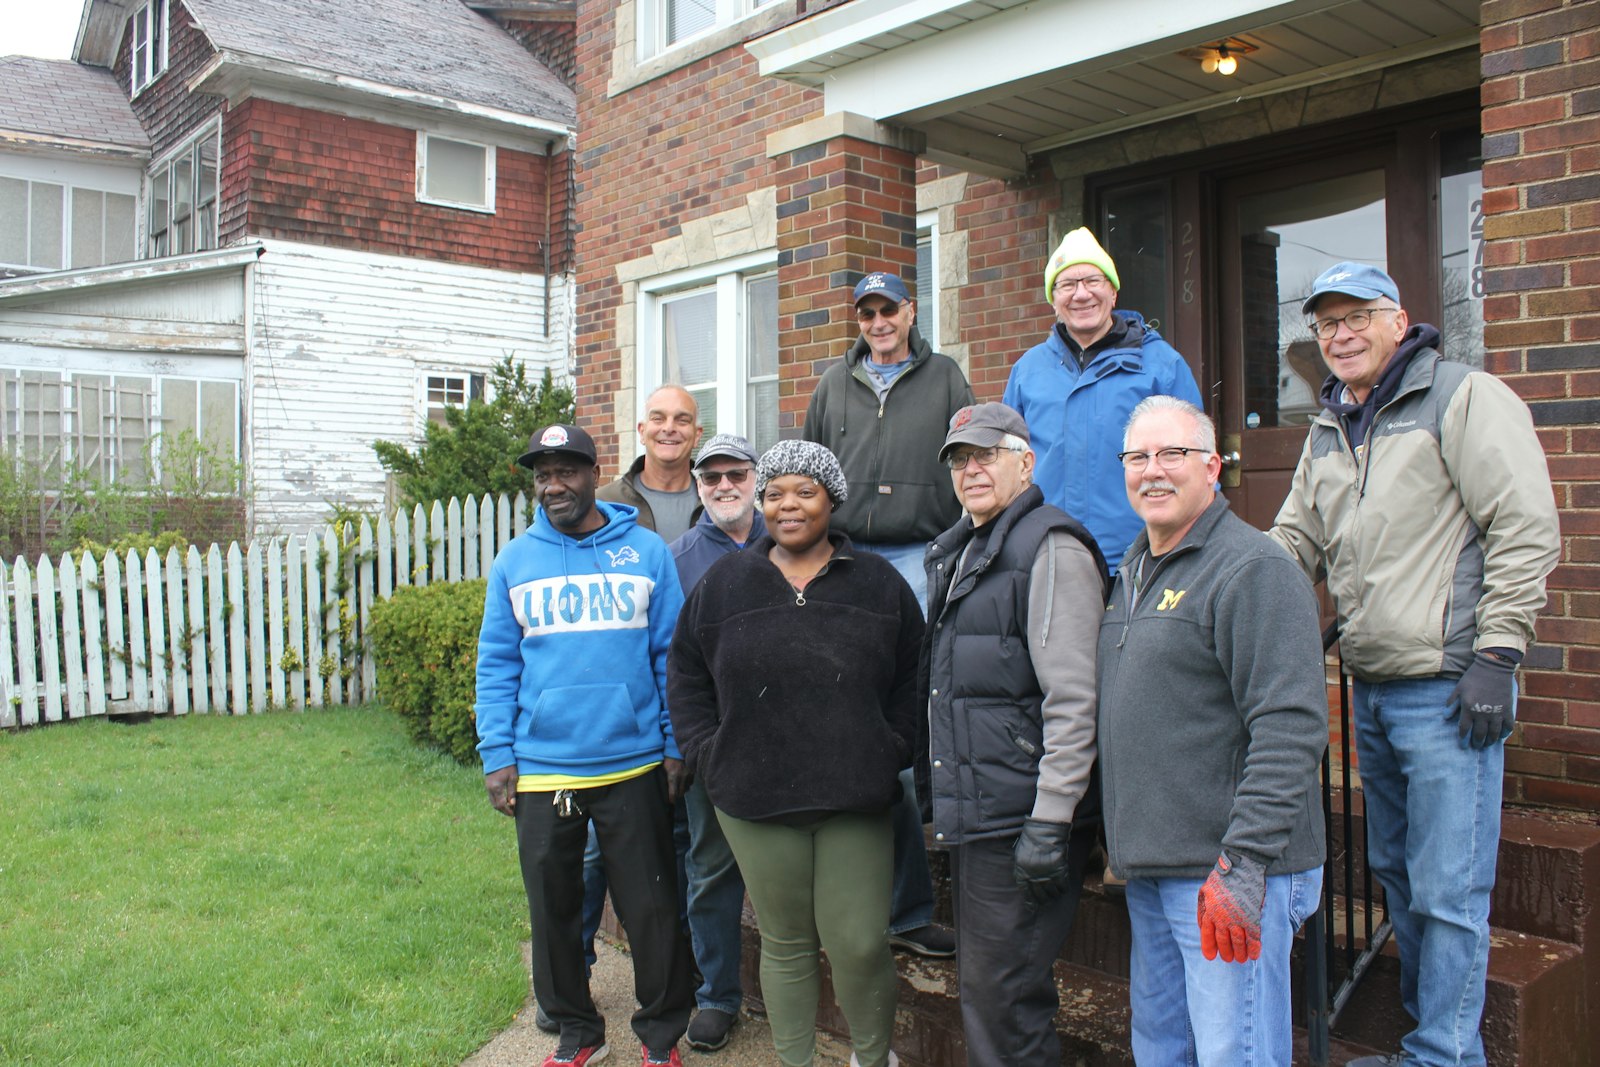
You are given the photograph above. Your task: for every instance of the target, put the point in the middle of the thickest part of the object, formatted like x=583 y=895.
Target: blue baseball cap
x=1360 y=280
x=879 y=283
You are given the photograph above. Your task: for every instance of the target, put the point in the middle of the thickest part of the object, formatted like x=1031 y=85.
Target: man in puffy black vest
x=1015 y=593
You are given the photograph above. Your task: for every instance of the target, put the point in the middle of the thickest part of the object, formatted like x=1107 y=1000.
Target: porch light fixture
x=1221 y=57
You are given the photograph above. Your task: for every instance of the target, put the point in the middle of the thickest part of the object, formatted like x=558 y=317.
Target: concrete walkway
x=523 y=1045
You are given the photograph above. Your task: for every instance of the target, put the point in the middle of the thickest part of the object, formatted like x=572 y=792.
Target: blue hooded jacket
x=704 y=544
x=1076 y=416
x=572 y=657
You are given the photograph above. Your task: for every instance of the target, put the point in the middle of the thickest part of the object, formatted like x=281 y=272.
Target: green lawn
x=275 y=889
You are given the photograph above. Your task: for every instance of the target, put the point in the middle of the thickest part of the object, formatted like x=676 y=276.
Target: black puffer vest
x=985 y=728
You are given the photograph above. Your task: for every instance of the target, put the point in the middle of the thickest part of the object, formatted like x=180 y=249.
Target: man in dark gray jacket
x=1213 y=719
x=882 y=411
x=1008 y=671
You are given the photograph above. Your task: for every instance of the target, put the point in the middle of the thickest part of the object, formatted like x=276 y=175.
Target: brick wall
x=304 y=175
x=679 y=148
x=1541 y=177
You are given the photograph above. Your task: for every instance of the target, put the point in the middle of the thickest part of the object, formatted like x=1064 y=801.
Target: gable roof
x=58 y=101
x=435 y=47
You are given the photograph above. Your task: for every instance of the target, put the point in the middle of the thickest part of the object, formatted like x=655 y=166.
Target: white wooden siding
x=339 y=340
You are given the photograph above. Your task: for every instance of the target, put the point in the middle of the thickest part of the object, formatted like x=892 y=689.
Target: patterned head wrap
x=802 y=457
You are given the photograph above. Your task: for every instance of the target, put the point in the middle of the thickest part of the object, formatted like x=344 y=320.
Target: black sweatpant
x=634 y=824
x=1006 y=951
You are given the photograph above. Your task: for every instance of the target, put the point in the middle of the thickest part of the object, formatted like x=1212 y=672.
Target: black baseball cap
x=560 y=438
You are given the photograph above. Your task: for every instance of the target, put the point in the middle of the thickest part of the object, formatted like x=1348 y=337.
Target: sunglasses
x=736 y=476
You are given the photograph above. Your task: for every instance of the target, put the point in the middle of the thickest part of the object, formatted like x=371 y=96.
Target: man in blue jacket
x=1077 y=388
x=724 y=474
x=573 y=726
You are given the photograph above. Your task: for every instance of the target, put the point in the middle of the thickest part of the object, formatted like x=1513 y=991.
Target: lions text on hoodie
x=572 y=657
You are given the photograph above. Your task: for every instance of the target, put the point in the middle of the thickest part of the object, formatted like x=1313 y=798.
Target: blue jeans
x=716 y=905
x=911 y=905
x=1433 y=833
x=1195 y=1012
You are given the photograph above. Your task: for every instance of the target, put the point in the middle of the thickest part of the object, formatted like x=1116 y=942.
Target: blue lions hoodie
x=572 y=657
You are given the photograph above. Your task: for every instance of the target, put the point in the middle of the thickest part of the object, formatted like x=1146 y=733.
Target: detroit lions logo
x=625 y=554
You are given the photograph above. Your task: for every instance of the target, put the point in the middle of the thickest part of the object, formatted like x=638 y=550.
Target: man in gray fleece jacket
x=1212 y=722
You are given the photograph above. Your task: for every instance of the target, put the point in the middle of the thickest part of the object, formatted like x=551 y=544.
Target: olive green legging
x=824 y=884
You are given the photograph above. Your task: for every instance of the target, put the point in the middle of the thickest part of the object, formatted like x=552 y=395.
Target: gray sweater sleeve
x=1268 y=642
x=1064 y=609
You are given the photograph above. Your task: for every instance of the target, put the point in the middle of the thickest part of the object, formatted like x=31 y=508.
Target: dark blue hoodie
x=572 y=657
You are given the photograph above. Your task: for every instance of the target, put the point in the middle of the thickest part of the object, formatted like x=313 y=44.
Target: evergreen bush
x=425 y=646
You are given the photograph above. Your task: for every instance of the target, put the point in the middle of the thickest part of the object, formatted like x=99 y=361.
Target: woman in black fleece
x=792 y=689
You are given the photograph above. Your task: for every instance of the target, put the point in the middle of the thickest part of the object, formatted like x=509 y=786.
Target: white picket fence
x=280 y=623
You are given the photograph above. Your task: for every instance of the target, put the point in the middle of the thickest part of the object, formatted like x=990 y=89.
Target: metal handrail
x=1324 y=1001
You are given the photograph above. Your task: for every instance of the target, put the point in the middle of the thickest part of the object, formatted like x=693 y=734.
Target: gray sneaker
x=710 y=1029
x=1388 y=1059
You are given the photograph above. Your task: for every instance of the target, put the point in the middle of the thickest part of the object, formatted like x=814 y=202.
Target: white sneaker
x=894 y=1061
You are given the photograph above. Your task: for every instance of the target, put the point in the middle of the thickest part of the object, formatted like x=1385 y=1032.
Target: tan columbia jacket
x=1436 y=537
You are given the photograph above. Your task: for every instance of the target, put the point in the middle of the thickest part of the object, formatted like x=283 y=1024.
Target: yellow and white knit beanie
x=1079 y=246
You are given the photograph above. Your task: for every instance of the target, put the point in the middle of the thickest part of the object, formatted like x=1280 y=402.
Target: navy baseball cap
x=725 y=446
x=1360 y=280
x=561 y=438
x=879 y=283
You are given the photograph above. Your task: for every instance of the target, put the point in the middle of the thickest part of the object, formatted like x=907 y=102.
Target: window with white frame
x=455 y=173
x=663 y=24
x=110 y=426
x=927 y=288
x=716 y=334
x=49 y=226
x=149 y=56
x=449 y=389
x=183 y=197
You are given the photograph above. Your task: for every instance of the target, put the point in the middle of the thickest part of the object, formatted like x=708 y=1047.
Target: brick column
x=847 y=205
x=1541 y=178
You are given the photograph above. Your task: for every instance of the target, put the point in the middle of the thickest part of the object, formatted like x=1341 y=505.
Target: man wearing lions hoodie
x=573 y=726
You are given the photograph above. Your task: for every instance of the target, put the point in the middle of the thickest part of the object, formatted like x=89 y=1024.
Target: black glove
x=1483 y=700
x=1039 y=862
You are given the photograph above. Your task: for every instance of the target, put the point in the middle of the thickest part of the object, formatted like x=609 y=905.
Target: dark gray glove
x=1483 y=701
x=1039 y=861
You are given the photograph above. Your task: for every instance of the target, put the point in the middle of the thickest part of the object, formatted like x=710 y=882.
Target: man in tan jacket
x=1423 y=497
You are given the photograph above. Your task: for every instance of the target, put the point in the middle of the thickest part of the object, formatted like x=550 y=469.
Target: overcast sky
x=39 y=27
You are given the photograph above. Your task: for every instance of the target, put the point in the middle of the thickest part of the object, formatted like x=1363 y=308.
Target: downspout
x=548 y=178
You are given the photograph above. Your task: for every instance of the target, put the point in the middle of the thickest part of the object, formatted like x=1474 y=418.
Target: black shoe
x=933 y=941
x=710 y=1029
x=544 y=1022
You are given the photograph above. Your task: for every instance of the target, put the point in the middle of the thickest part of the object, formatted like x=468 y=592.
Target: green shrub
x=475 y=452
x=425 y=646
x=139 y=542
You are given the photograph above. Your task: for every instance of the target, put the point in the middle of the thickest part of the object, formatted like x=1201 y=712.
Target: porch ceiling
x=992 y=82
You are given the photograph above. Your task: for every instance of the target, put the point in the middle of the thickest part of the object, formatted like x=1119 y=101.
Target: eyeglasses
x=867 y=314
x=737 y=476
x=1357 y=320
x=1092 y=284
x=983 y=457
x=1169 y=459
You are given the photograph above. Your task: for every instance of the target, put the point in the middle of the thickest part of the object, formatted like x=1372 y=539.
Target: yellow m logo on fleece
x=1170 y=598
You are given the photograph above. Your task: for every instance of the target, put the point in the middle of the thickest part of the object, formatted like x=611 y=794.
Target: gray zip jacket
x=1213 y=706
x=1436 y=535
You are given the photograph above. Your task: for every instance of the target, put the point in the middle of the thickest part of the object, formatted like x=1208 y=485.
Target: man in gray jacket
x=1423 y=496
x=1015 y=592
x=1213 y=719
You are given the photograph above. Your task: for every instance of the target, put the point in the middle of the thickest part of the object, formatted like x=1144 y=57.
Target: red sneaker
x=669 y=1058
x=566 y=1056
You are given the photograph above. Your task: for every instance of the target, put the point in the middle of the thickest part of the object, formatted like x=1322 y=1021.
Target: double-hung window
x=149 y=53
x=715 y=332
x=666 y=23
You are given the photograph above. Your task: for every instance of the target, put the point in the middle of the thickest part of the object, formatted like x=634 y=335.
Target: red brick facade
x=304 y=175
x=651 y=158
x=1541 y=177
